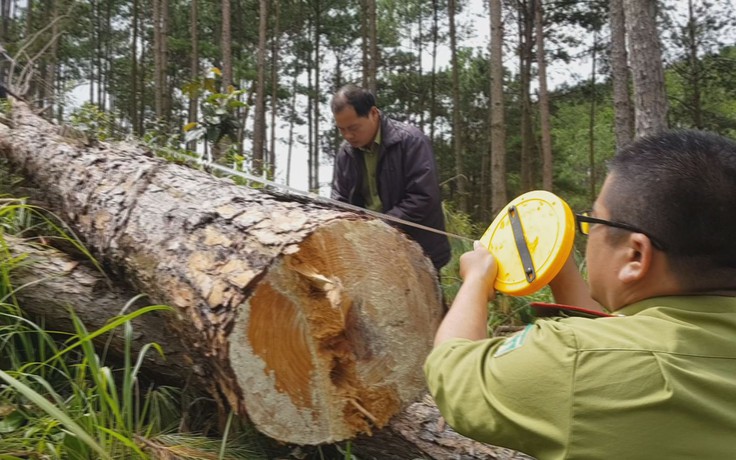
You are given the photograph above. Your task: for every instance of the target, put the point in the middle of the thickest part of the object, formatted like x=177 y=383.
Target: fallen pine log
x=48 y=282
x=421 y=432
x=311 y=321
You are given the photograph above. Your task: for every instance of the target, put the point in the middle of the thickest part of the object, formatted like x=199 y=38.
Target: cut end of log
x=335 y=334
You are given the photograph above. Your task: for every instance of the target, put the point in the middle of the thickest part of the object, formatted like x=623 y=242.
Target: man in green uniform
x=657 y=380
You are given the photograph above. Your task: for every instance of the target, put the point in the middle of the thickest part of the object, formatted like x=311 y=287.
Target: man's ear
x=637 y=254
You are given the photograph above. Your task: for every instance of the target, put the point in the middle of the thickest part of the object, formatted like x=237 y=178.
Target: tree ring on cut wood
x=331 y=342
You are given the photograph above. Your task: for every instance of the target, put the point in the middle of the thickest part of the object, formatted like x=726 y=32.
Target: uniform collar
x=376 y=142
x=702 y=303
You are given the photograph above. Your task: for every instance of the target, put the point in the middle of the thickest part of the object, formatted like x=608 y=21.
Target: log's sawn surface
x=312 y=321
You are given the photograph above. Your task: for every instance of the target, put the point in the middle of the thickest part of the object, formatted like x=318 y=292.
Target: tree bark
x=620 y=76
x=695 y=71
x=259 y=114
x=650 y=100
x=275 y=46
x=433 y=77
x=373 y=47
x=497 y=112
x=593 y=177
x=421 y=432
x=525 y=9
x=544 y=115
x=52 y=67
x=194 y=66
x=134 y=84
x=457 y=123
x=312 y=321
x=157 y=64
x=317 y=135
x=364 y=42
x=225 y=47
x=49 y=282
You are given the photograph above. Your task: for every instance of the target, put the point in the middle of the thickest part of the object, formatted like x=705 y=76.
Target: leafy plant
x=6 y=106
x=93 y=122
x=218 y=111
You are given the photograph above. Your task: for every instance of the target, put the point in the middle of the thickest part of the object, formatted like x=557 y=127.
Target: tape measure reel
x=531 y=238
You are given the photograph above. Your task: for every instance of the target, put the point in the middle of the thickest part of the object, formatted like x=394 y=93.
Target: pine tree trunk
x=497 y=112
x=457 y=147
x=51 y=281
x=695 y=69
x=259 y=115
x=313 y=321
x=315 y=146
x=134 y=77
x=433 y=77
x=53 y=58
x=164 y=61
x=650 y=100
x=194 y=66
x=364 y=42
x=373 y=48
x=275 y=46
x=544 y=115
x=592 y=176
x=225 y=47
x=620 y=76
x=525 y=10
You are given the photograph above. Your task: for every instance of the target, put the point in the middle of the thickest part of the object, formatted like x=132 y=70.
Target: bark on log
x=313 y=321
x=421 y=432
x=49 y=281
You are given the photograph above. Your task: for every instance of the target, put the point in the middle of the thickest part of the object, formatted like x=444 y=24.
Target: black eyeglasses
x=584 y=219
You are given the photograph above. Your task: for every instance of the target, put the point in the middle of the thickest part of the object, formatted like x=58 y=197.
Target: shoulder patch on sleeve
x=513 y=342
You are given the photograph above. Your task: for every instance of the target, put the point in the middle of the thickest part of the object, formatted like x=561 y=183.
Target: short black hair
x=680 y=186
x=360 y=99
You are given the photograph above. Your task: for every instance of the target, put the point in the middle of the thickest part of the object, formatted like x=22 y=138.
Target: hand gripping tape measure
x=531 y=238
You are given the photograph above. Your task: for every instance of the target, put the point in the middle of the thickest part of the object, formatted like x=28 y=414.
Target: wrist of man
x=481 y=284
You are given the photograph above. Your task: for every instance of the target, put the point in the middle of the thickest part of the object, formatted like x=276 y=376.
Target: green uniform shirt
x=370 y=185
x=659 y=383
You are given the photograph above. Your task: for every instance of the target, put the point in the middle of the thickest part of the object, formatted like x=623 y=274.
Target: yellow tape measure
x=531 y=239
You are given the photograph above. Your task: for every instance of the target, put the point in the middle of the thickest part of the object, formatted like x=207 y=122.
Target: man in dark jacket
x=388 y=167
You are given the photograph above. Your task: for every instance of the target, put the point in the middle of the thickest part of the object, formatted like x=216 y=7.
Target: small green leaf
x=191 y=89
x=12 y=422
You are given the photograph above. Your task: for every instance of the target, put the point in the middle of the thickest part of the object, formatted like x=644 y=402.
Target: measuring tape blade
x=313 y=197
